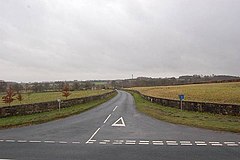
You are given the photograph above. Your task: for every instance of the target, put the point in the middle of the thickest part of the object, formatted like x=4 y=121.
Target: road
x=115 y=130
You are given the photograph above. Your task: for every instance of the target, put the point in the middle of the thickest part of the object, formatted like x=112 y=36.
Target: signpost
x=59 y=104
x=181 y=97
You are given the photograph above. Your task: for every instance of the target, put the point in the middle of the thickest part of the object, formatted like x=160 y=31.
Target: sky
x=48 y=40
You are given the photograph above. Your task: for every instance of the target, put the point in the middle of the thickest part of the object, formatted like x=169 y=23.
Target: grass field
x=53 y=96
x=214 y=92
x=196 y=119
x=17 y=121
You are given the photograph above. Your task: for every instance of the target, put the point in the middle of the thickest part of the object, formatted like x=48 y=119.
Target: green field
x=16 y=121
x=196 y=119
x=52 y=96
x=213 y=92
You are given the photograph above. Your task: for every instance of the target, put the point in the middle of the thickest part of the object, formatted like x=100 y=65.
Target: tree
x=65 y=91
x=19 y=97
x=9 y=97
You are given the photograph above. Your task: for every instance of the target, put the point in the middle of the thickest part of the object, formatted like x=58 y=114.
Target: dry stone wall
x=216 y=108
x=27 y=109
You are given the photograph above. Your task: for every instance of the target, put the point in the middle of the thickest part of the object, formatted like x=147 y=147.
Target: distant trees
x=9 y=97
x=65 y=91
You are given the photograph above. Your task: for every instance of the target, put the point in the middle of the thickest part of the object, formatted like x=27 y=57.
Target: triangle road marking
x=119 y=123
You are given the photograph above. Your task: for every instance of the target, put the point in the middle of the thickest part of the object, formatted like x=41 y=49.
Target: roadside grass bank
x=29 y=98
x=224 y=93
x=195 y=119
x=18 y=121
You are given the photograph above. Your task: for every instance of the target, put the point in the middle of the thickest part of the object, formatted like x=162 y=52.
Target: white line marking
x=49 y=141
x=62 y=142
x=186 y=144
x=232 y=145
x=34 y=141
x=93 y=135
x=201 y=144
x=1 y=140
x=116 y=124
x=172 y=144
x=130 y=143
x=6 y=159
x=171 y=141
x=106 y=140
x=216 y=144
x=229 y=142
x=158 y=144
x=102 y=142
x=22 y=141
x=107 y=118
x=115 y=108
x=10 y=140
x=157 y=141
x=75 y=142
x=144 y=141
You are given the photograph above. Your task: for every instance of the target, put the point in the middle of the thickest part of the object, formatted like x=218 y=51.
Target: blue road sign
x=181 y=97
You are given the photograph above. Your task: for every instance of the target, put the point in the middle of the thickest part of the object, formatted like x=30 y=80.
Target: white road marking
x=229 y=142
x=6 y=159
x=93 y=135
x=130 y=142
x=232 y=145
x=107 y=118
x=172 y=143
x=49 y=141
x=214 y=142
x=1 y=140
x=217 y=144
x=118 y=141
x=201 y=144
x=106 y=140
x=10 y=140
x=35 y=141
x=22 y=141
x=115 y=108
x=186 y=144
x=158 y=144
x=62 y=142
x=102 y=142
x=117 y=124
x=157 y=141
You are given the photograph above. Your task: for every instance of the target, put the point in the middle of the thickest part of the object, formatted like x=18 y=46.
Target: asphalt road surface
x=115 y=130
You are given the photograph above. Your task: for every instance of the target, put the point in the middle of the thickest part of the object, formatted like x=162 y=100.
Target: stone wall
x=216 y=108
x=27 y=109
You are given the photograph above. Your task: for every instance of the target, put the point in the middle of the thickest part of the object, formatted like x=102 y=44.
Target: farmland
x=212 y=92
x=29 y=98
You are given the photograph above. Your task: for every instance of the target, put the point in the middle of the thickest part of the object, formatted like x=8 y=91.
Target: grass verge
x=195 y=119
x=17 y=121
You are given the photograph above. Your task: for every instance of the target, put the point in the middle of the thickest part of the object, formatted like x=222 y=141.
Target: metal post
x=181 y=105
x=59 y=104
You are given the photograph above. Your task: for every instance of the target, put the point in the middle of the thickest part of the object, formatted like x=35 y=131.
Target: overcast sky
x=47 y=40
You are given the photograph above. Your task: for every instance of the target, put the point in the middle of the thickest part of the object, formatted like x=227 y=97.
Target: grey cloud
x=91 y=39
